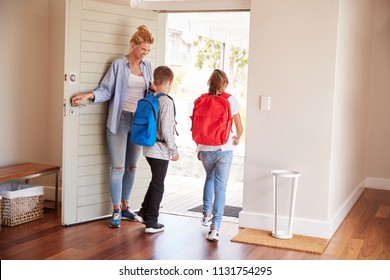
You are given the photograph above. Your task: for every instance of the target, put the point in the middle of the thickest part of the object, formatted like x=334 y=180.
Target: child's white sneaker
x=212 y=235
x=206 y=221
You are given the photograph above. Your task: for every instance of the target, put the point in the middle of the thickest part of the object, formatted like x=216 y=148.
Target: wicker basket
x=21 y=203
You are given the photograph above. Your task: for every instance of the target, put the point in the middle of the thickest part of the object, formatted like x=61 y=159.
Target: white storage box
x=21 y=203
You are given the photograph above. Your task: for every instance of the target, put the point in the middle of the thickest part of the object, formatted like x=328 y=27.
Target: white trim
x=345 y=208
x=192 y=5
x=127 y=3
x=305 y=227
x=133 y=3
x=378 y=183
x=314 y=228
x=50 y=192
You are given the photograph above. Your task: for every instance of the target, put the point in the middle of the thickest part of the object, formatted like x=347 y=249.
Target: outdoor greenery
x=192 y=63
x=209 y=54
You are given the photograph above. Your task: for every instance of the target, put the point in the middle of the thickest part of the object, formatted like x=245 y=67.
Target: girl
x=217 y=160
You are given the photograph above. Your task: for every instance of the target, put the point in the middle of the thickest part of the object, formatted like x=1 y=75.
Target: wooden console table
x=28 y=170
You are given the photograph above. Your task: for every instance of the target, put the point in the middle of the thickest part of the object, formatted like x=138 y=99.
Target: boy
x=164 y=149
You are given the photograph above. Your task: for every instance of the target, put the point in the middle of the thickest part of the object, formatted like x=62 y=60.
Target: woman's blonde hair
x=217 y=81
x=142 y=35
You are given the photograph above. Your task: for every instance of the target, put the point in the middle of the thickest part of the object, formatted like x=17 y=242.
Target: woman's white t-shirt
x=135 y=90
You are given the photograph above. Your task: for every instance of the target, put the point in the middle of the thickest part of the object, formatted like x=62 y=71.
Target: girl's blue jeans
x=217 y=166
x=123 y=160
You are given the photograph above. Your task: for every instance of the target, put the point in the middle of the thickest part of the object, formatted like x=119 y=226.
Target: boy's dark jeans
x=154 y=195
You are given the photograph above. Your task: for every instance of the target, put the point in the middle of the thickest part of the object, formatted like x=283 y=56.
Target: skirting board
x=49 y=193
x=314 y=228
x=378 y=183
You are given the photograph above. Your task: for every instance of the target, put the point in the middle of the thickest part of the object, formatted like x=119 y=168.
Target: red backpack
x=211 y=119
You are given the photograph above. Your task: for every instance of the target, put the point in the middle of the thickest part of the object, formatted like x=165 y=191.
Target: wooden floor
x=365 y=234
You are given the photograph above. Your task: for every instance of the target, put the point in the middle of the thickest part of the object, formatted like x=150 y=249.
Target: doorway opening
x=198 y=43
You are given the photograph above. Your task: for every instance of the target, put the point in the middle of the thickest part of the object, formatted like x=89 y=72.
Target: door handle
x=73 y=106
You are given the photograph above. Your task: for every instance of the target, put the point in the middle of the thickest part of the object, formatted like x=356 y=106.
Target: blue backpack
x=145 y=119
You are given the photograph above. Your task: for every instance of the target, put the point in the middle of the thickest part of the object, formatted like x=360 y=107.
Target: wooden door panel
x=97 y=33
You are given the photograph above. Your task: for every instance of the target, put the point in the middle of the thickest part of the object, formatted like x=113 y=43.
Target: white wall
x=55 y=81
x=23 y=72
x=351 y=104
x=317 y=61
x=32 y=73
x=293 y=60
x=378 y=137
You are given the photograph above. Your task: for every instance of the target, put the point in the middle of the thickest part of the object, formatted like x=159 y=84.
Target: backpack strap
x=160 y=94
x=223 y=94
x=157 y=96
x=174 y=114
x=226 y=96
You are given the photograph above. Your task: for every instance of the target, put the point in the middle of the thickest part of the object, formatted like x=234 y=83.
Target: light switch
x=265 y=103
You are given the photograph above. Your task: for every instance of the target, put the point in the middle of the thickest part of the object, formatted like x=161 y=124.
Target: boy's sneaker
x=213 y=235
x=115 y=221
x=206 y=221
x=140 y=213
x=128 y=214
x=156 y=228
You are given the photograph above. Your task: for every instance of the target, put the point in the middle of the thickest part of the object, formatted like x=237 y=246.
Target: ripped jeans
x=123 y=160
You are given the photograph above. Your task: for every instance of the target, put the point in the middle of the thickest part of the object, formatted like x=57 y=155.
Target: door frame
x=192 y=5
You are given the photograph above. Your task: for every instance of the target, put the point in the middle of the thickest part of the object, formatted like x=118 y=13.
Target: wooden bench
x=28 y=170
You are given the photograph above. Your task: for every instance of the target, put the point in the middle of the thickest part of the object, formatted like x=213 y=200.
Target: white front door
x=96 y=34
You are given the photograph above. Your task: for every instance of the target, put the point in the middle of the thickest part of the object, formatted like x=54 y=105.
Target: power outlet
x=265 y=103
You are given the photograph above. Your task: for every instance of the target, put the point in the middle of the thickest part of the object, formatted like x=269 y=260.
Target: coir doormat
x=297 y=242
x=230 y=211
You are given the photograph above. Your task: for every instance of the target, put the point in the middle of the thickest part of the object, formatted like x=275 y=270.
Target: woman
x=127 y=80
x=217 y=161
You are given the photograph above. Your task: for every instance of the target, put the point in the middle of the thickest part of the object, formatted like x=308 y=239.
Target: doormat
x=230 y=211
x=297 y=242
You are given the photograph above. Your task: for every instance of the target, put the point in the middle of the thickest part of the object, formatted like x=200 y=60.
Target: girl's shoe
x=206 y=221
x=213 y=235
